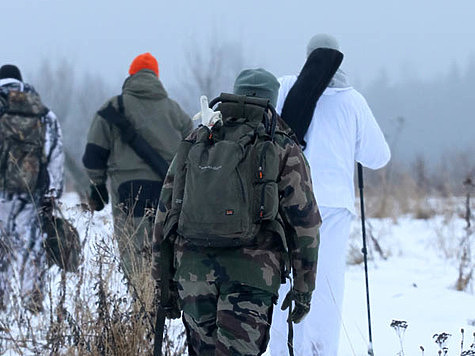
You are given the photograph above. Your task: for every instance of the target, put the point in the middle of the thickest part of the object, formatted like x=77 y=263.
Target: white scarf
x=339 y=80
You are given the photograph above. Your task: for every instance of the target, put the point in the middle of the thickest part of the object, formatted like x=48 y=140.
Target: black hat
x=10 y=71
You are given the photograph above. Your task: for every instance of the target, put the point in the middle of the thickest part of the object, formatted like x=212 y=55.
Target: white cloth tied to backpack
x=208 y=116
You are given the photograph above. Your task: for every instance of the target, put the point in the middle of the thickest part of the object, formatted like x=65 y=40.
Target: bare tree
x=211 y=69
x=74 y=102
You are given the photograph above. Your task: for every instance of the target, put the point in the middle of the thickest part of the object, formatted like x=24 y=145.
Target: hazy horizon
x=406 y=38
x=408 y=50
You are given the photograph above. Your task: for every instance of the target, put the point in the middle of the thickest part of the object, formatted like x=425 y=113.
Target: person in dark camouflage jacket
x=227 y=294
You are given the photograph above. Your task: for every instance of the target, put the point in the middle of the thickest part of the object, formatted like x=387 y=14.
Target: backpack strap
x=245 y=99
x=3 y=103
x=136 y=141
x=120 y=102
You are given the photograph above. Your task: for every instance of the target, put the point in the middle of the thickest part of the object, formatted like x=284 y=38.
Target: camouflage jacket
x=52 y=184
x=261 y=265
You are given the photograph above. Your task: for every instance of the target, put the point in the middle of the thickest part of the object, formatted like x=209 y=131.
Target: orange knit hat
x=144 y=61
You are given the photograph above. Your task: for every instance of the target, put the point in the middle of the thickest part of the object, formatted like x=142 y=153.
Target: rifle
x=166 y=255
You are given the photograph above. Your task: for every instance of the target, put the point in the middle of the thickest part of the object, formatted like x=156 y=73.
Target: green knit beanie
x=257 y=82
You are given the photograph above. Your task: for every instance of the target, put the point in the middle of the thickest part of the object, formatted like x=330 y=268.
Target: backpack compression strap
x=129 y=135
x=244 y=100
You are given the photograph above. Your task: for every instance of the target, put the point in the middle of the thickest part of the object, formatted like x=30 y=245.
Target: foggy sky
x=404 y=38
x=395 y=52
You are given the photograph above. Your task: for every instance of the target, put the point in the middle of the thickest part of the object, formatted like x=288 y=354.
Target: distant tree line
x=429 y=124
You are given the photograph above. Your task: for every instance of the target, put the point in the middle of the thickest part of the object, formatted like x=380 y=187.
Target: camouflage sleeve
x=97 y=150
x=54 y=156
x=301 y=217
x=164 y=205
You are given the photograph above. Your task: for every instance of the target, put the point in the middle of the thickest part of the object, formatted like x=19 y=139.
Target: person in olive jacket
x=134 y=186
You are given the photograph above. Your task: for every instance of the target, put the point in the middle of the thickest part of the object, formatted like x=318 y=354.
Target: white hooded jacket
x=343 y=130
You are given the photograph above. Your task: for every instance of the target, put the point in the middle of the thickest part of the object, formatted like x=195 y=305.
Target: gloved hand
x=98 y=197
x=46 y=209
x=170 y=306
x=302 y=304
x=207 y=116
x=47 y=220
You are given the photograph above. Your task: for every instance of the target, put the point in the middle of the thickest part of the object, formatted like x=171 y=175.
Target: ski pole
x=365 y=256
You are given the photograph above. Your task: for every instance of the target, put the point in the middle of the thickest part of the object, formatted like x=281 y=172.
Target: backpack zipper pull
x=261 y=212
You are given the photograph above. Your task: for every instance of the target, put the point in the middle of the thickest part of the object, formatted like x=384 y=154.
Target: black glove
x=98 y=197
x=170 y=306
x=46 y=209
x=302 y=304
x=47 y=220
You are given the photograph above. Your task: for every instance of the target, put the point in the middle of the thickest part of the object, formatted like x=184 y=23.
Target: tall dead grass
x=96 y=311
x=418 y=192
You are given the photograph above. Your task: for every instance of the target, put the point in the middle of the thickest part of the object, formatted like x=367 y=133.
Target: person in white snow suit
x=343 y=130
x=31 y=178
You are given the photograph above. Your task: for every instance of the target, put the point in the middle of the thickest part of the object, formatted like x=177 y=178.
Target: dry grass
x=93 y=312
x=396 y=192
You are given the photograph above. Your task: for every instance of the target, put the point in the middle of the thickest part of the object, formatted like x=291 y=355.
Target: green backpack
x=22 y=140
x=226 y=180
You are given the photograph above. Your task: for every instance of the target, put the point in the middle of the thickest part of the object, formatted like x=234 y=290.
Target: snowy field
x=412 y=281
x=414 y=284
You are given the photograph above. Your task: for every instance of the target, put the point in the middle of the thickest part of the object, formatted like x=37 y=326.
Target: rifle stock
x=159 y=329
x=166 y=255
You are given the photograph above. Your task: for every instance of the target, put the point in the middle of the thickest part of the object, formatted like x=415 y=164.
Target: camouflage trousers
x=225 y=318
x=21 y=250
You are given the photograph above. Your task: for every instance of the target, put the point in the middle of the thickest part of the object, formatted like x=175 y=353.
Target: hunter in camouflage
x=227 y=294
x=31 y=179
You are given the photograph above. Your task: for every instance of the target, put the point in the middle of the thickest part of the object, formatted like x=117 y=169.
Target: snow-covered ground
x=414 y=282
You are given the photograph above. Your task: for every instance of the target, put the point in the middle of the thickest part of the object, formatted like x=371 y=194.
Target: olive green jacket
x=160 y=121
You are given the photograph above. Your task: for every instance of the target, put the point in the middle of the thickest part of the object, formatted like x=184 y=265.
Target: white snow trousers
x=22 y=256
x=318 y=333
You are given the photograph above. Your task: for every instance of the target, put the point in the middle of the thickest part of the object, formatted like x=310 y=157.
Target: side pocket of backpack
x=266 y=194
